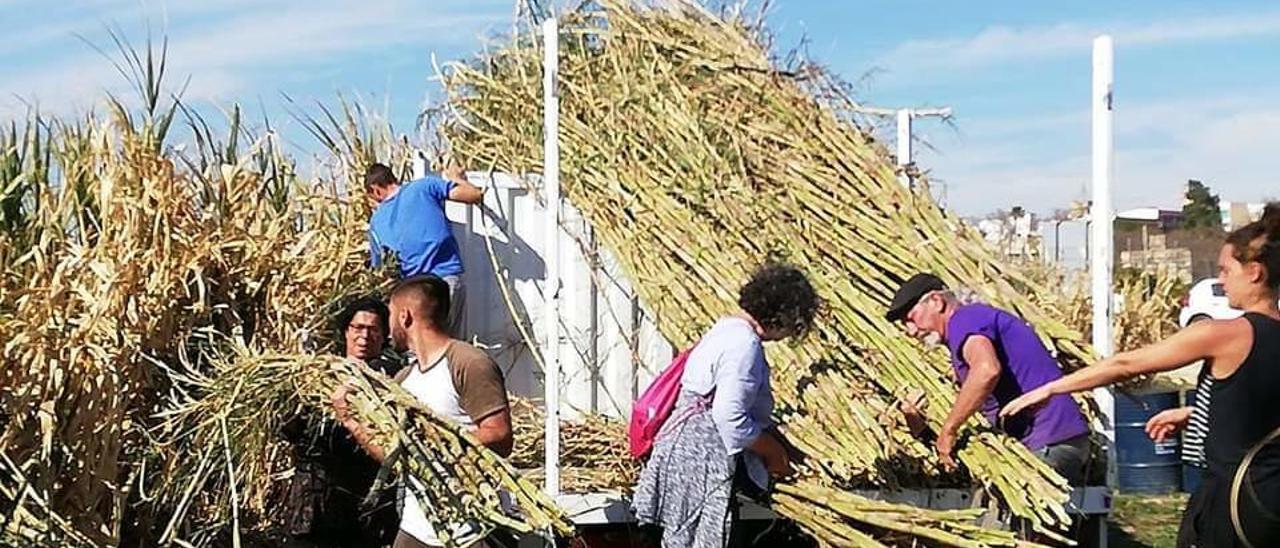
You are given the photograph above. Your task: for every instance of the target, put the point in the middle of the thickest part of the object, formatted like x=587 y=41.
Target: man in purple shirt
x=996 y=357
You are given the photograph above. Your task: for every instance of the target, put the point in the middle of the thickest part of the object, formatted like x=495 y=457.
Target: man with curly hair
x=720 y=439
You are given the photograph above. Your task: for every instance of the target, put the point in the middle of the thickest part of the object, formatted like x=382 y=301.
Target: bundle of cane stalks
x=458 y=480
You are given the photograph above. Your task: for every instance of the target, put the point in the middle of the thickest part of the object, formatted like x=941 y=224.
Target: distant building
x=1150 y=239
x=1141 y=240
x=1238 y=214
x=1163 y=219
x=1015 y=235
x=1066 y=243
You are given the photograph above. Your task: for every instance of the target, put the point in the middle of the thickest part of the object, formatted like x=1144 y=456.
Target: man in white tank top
x=456 y=380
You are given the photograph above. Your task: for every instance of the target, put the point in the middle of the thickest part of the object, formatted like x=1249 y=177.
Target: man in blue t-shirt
x=409 y=223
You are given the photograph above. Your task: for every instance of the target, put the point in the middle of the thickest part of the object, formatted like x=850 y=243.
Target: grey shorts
x=1068 y=458
x=457 y=304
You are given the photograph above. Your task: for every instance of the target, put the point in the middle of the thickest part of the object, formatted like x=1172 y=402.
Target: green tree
x=1200 y=209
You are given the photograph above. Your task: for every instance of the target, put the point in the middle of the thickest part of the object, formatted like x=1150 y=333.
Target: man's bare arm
x=494 y=432
x=463 y=191
x=984 y=373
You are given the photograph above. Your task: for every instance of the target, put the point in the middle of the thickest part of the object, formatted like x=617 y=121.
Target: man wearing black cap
x=996 y=357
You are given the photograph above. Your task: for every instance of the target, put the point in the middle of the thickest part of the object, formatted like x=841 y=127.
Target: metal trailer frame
x=609 y=508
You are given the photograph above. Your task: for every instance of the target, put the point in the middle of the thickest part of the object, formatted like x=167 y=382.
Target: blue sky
x=1197 y=90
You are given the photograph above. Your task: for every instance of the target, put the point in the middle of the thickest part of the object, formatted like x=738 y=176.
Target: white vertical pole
x=551 y=289
x=1101 y=215
x=1101 y=225
x=904 y=141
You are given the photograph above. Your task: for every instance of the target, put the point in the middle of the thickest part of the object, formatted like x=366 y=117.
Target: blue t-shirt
x=412 y=225
x=1025 y=364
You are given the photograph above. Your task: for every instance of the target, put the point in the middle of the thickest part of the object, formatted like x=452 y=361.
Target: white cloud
x=1001 y=44
x=227 y=50
x=1228 y=141
x=305 y=35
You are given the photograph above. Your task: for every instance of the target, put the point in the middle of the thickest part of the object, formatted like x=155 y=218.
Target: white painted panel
x=609 y=350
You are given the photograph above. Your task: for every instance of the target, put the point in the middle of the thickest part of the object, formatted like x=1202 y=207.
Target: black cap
x=910 y=293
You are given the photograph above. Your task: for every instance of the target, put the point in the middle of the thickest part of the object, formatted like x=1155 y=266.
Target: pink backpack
x=654 y=407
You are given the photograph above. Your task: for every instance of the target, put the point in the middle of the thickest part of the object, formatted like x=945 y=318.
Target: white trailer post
x=551 y=286
x=1100 y=241
x=419 y=165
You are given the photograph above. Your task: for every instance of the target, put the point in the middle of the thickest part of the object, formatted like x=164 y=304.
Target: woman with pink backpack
x=719 y=439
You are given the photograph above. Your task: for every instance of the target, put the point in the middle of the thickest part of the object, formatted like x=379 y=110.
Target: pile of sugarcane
x=593 y=450
x=848 y=443
x=696 y=157
x=163 y=308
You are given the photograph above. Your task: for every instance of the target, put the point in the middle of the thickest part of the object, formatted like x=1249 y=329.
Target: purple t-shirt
x=1025 y=364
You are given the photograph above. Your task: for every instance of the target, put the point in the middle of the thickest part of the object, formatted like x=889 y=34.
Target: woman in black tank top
x=1243 y=358
x=1244 y=409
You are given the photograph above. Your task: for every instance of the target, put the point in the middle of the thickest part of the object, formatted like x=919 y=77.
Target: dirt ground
x=1145 y=521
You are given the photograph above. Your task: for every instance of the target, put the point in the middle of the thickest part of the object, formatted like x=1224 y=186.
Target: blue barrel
x=1144 y=466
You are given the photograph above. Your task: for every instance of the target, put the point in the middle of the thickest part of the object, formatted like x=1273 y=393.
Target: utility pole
x=904 y=117
x=1102 y=219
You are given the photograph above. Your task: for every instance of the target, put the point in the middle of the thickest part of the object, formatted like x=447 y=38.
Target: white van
x=1207 y=300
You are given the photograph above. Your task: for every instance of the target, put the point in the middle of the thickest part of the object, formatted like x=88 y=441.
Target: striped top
x=1198 y=425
